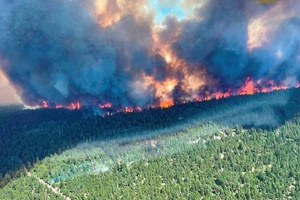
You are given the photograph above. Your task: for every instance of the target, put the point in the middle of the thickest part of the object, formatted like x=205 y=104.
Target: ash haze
x=137 y=53
x=8 y=94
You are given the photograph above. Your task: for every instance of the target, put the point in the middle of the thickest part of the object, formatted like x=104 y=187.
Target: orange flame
x=248 y=88
x=128 y=109
x=74 y=106
x=132 y=109
x=58 y=106
x=166 y=103
x=106 y=105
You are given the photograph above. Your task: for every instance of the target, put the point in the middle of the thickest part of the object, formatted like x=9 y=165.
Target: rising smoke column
x=95 y=52
x=240 y=39
x=61 y=54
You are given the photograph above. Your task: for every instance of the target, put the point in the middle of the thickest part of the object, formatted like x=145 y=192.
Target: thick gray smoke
x=57 y=51
x=221 y=31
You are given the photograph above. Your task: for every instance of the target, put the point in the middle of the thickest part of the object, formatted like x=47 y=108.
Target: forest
x=238 y=147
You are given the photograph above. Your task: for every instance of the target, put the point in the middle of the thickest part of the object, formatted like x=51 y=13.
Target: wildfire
x=178 y=76
x=45 y=104
x=106 y=105
x=74 y=106
x=128 y=109
x=138 y=109
x=273 y=86
x=248 y=88
x=132 y=109
x=252 y=87
x=221 y=95
x=166 y=103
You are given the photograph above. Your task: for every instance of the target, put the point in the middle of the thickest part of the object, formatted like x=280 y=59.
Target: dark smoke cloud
x=57 y=51
x=218 y=37
x=61 y=54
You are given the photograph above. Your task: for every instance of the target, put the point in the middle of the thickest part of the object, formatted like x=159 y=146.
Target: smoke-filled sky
x=7 y=92
x=141 y=52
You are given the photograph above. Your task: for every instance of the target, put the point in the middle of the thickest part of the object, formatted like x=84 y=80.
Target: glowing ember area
x=45 y=104
x=71 y=106
x=251 y=88
x=221 y=95
x=124 y=56
x=248 y=88
x=58 y=106
x=166 y=103
x=74 y=106
x=106 y=105
x=128 y=110
x=132 y=109
x=139 y=109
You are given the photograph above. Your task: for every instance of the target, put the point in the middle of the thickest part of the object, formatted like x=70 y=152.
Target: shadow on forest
x=31 y=135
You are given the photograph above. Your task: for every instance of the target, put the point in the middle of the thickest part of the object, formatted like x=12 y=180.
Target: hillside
x=218 y=148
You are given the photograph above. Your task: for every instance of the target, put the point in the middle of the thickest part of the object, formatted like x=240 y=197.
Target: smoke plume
x=115 y=51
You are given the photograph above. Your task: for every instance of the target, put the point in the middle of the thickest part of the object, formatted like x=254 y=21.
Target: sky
x=167 y=7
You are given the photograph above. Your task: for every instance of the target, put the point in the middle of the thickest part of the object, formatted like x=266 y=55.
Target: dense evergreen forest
x=229 y=148
x=229 y=164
